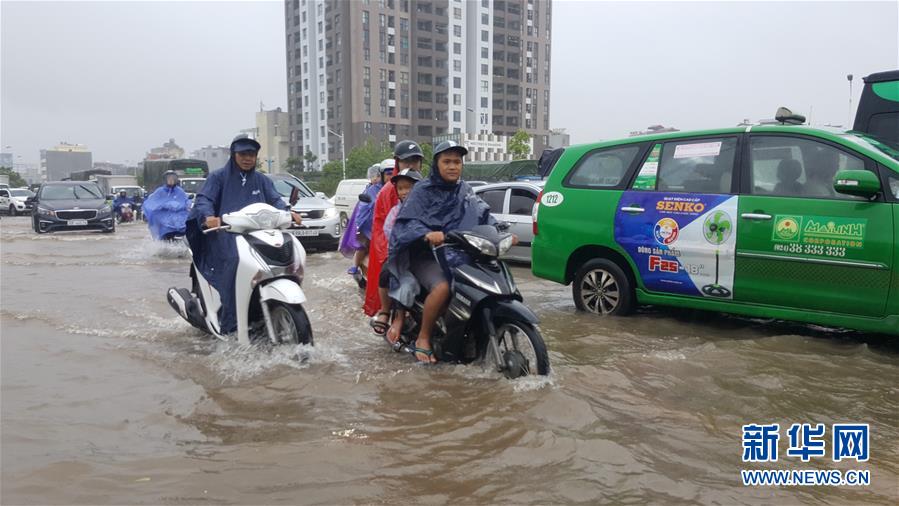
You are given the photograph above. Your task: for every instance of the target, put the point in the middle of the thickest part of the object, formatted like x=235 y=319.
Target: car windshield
x=886 y=147
x=192 y=185
x=70 y=192
x=285 y=186
x=21 y=193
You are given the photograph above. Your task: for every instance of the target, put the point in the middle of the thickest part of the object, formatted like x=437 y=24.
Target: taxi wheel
x=601 y=287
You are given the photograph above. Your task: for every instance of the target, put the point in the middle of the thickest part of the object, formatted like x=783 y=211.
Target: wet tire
x=343 y=221
x=601 y=287
x=514 y=335
x=12 y=211
x=291 y=324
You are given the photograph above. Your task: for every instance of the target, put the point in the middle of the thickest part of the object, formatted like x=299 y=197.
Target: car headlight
x=106 y=209
x=330 y=212
x=486 y=247
x=45 y=211
x=505 y=244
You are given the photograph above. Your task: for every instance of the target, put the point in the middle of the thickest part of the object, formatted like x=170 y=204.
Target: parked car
x=347 y=196
x=475 y=184
x=15 y=200
x=71 y=205
x=513 y=202
x=777 y=221
x=321 y=226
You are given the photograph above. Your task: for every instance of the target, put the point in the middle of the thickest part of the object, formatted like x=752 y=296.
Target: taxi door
x=801 y=244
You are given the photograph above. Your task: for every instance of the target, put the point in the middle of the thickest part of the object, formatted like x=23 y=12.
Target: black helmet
x=243 y=142
x=414 y=175
x=407 y=149
x=450 y=146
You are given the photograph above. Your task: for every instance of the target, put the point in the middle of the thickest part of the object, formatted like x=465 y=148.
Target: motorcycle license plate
x=77 y=223
x=303 y=232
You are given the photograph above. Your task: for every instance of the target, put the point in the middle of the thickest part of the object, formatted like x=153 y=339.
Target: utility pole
x=342 y=148
x=849 y=120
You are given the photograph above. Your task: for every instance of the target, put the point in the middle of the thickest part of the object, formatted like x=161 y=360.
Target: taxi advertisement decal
x=681 y=243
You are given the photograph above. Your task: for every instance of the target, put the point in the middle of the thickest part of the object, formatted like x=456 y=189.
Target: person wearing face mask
x=228 y=189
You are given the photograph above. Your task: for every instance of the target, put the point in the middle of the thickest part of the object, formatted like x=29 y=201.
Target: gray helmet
x=168 y=173
x=374 y=171
x=243 y=142
x=407 y=149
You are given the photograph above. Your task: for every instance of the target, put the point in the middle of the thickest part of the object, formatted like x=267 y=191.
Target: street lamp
x=342 y=154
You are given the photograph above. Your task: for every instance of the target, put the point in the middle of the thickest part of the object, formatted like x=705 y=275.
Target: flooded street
x=109 y=397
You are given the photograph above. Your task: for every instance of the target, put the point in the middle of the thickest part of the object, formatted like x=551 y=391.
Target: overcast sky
x=122 y=77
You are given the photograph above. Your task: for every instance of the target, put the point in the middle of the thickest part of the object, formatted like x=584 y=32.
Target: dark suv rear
x=71 y=205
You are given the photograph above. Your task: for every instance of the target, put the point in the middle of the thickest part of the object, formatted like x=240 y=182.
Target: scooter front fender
x=283 y=290
x=512 y=309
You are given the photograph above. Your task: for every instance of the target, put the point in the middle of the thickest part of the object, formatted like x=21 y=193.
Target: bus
x=192 y=173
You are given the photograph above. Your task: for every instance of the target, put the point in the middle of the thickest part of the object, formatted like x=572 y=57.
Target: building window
x=484 y=69
x=484 y=101
x=457 y=48
x=485 y=19
x=457 y=30
x=485 y=52
x=485 y=85
x=485 y=36
x=457 y=65
x=457 y=83
x=457 y=13
x=457 y=116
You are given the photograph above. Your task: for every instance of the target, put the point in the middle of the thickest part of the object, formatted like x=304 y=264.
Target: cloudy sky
x=122 y=77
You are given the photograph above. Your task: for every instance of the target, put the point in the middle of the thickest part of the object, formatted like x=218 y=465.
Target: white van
x=347 y=196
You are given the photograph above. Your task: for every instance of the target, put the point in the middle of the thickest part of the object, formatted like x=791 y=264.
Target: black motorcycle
x=486 y=319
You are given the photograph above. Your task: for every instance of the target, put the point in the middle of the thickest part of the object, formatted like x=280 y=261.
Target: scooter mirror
x=364 y=197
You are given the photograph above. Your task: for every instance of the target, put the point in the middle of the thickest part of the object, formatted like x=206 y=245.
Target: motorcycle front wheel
x=290 y=323
x=521 y=349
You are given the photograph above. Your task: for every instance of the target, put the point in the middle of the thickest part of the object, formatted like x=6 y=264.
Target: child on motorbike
x=403 y=183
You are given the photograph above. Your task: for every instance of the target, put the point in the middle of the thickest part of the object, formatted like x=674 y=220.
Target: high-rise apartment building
x=395 y=69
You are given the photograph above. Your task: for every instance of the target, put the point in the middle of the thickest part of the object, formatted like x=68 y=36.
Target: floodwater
x=108 y=397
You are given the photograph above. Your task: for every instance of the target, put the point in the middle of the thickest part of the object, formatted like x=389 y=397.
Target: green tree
x=15 y=180
x=519 y=146
x=428 y=151
x=310 y=159
x=294 y=165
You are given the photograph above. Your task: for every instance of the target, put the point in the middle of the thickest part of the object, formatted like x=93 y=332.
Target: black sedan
x=71 y=205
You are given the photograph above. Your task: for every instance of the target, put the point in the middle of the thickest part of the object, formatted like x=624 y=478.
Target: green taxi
x=779 y=221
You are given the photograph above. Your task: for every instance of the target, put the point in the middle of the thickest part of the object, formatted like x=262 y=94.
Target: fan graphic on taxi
x=716 y=229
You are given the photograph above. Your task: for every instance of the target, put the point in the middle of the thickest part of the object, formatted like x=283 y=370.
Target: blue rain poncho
x=366 y=210
x=117 y=203
x=166 y=211
x=226 y=190
x=432 y=205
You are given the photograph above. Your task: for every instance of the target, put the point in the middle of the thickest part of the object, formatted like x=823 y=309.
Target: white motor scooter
x=270 y=271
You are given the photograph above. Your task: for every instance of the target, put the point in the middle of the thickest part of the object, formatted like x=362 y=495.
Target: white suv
x=14 y=200
x=321 y=227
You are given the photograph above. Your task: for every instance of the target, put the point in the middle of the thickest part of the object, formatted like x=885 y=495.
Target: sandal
x=378 y=326
x=428 y=353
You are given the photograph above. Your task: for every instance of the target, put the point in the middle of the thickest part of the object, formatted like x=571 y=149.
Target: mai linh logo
x=787 y=228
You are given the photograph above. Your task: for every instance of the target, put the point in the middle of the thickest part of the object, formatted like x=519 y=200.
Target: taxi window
x=796 y=167
x=697 y=165
x=603 y=169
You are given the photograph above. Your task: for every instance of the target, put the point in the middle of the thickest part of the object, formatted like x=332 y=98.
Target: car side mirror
x=294 y=196
x=321 y=195
x=364 y=197
x=31 y=200
x=861 y=183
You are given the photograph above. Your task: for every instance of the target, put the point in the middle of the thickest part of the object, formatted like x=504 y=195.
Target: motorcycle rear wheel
x=523 y=338
x=291 y=324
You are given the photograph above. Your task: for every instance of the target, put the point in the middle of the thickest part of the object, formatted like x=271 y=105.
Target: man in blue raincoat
x=229 y=189
x=438 y=205
x=166 y=209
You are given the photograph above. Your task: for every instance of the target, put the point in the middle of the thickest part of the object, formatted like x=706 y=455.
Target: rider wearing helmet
x=166 y=209
x=121 y=199
x=407 y=154
x=437 y=205
x=228 y=189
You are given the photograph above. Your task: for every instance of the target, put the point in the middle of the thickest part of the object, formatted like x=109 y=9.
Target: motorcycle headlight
x=505 y=244
x=45 y=211
x=330 y=212
x=483 y=245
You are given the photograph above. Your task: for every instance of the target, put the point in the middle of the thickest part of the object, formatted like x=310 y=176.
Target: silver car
x=321 y=226
x=513 y=202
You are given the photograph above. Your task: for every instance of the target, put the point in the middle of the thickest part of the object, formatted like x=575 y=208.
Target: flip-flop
x=380 y=327
x=427 y=353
